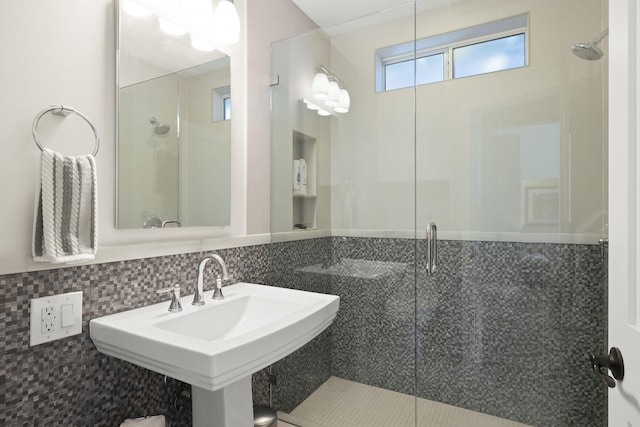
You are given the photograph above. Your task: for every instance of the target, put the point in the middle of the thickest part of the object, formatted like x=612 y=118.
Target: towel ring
x=64 y=111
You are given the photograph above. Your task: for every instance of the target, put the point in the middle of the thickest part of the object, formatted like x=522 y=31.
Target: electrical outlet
x=55 y=317
x=49 y=318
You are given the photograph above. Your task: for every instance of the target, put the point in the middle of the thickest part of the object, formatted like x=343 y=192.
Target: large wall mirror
x=174 y=128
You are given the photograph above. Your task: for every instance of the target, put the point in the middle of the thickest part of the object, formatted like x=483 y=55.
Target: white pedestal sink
x=216 y=347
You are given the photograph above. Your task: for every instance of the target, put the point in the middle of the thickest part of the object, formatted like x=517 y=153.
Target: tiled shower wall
x=502 y=328
x=67 y=382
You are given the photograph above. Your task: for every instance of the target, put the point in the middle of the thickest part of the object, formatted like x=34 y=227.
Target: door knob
x=613 y=362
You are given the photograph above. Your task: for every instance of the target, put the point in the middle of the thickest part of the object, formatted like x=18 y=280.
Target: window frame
x=446 y=43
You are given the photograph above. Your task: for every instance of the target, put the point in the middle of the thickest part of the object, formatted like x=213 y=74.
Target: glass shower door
x=509 y=165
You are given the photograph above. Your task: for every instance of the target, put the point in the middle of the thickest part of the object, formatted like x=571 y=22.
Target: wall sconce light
x=328 y=96
x=320 y=86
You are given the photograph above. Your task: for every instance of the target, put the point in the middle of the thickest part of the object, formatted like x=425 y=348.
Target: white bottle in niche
x=303 y=176
x=297 y=178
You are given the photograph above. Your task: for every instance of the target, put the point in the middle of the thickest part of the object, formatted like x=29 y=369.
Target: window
x=221 y=104
x=485 y=48
x=226 y=107
x=485 y=57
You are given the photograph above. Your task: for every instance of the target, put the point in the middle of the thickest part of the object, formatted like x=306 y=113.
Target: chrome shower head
x=590 y=51
x=159 y=128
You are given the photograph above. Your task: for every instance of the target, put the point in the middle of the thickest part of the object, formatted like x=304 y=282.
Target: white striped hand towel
x=65 y=226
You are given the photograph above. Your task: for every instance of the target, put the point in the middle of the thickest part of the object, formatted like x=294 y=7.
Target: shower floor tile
x=343 y=403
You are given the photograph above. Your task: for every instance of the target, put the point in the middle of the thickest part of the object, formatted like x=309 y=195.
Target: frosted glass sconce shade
x=197 y=14
x=320 y=86
x=226 y=23
x=206 y=28
x=334 y=94
x=344 y=102
x=328 y=95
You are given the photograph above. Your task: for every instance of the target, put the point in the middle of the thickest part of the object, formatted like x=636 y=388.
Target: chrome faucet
x=198 y=298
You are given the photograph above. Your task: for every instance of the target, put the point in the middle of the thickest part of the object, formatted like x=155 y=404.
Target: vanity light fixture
x=207 y=28
x=329 y=95
x=226 y=23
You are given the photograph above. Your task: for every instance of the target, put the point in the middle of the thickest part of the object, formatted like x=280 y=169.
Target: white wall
x=63 y=53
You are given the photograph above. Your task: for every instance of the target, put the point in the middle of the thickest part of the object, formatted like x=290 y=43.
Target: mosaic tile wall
x=503 y=328
x=67 y=382
x=302 y=372
x=507 y=328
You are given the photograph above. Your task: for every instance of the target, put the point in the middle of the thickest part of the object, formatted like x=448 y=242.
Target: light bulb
x=323 y=112
x=135 y=9
x=202 y=44
x=344 y=102
x=170 y=28
x=226 y=23
x=320 y=86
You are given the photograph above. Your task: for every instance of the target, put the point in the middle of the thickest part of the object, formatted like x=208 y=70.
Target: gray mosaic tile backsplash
x=67 y=382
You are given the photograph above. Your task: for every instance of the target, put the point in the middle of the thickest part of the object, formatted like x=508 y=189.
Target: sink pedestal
x=231 y=406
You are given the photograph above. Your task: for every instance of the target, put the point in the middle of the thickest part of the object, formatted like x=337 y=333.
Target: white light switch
x=66 y=313
x=55 y=317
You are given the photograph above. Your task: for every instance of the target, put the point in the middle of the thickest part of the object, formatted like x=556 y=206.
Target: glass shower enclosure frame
x=510 y=165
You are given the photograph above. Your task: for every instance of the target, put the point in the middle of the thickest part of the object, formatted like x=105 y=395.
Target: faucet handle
x=175 y=306
x=217 y=293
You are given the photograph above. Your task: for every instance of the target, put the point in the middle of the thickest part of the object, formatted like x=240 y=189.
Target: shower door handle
x=432 y=248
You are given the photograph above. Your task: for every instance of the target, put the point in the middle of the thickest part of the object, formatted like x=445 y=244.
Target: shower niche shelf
x=304 y=205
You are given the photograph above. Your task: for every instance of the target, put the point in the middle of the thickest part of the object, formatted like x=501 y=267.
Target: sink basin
x=222 y=342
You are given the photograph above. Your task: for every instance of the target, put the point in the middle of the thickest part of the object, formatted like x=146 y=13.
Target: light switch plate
x=55 y=317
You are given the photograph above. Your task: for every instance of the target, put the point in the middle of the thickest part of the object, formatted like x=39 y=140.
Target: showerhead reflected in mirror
x=174 y=138
x=158 y=127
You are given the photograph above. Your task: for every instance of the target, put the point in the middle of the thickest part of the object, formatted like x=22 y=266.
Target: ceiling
x=330 y=13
